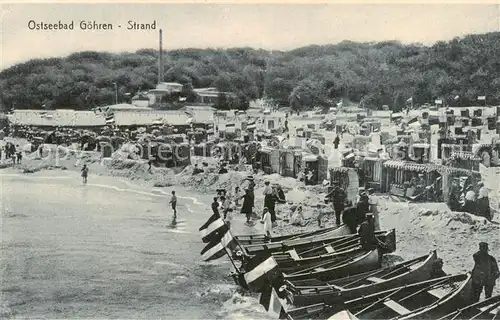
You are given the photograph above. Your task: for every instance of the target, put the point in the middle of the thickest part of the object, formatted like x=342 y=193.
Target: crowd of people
x=12 y=152
x=471 y=198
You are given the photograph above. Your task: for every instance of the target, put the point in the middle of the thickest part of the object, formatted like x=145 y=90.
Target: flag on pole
x=413 y=120
x=410 y=100
x=213 y=231
x=214 y=250
x=251 y=125
x=272 y=303
x=481 y=98
x=438 y=101
x=262 y=274
x=217 y=248
x=110 y=119
x=457 y=97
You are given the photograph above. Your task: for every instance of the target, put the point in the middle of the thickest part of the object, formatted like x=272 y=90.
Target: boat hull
x=369 y=261
x=331 y=295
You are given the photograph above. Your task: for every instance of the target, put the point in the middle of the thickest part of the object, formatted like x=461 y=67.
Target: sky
x=219 y=25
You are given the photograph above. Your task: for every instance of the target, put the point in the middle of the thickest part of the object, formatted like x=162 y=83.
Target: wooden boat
x=306 y=292
x=488 y=309
x=338 y=265
x=293 y=263
x=330 y=270
x=315 y=246
x=343 y=230
x=423 y=300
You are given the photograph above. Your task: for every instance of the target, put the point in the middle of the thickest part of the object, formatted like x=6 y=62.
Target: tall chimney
x=160 y=59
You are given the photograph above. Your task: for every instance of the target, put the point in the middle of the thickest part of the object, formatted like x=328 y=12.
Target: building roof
x=174 y=118
x=211 y=89
x=54 y=118
x=140 y=96
x=126 y=106
x=169 y=84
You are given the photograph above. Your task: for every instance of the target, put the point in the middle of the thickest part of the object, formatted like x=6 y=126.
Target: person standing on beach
x=366 y=234
x=85 y=173
x=336 y=142
x=173 y=201
x=215 y=207
x=484 y=274
x=373 y=202
x=339 y=198
x=269 y=200
x=266 y=220
x=350 y=218
x=247 y=206
x=236 y=196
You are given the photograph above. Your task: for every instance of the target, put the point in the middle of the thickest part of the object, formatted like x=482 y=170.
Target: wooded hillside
x=372 y=73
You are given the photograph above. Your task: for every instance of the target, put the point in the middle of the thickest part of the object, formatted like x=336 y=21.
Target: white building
x=161 y=89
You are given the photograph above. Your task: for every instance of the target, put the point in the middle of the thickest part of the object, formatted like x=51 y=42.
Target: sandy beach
x=111 y=238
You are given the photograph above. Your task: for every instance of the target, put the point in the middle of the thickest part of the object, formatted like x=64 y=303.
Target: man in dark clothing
x=215 y=207
x=350 y=217
x=484 y=274
x=339 y=198
x=367 y=233
x=336 y=142
x=363 y=207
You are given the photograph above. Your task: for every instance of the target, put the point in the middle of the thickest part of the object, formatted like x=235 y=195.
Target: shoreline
x=420 y=227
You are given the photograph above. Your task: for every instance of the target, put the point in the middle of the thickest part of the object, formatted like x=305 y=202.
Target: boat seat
x=334 y=286
x=393 y=305
x=492 y=312
x=329 y=249
x=293 y=254
x=438 y=292
x=375 y=279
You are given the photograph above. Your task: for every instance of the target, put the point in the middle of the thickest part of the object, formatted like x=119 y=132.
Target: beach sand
x=420 y=227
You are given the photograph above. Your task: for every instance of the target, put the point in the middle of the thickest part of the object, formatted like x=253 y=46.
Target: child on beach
x=85 y=172
x=266 y=220
x=173 y=201
x=229 y=217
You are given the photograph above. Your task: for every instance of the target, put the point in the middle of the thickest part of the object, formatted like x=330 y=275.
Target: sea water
x=107 y=250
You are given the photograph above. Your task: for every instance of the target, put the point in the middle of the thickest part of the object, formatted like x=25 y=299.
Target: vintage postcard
x=249 y=160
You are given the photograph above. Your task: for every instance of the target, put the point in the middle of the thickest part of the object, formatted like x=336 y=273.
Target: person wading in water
x=173 y=201
x=85 y=173
x=484 y=274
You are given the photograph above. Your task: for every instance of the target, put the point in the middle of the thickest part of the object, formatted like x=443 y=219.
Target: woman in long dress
x=247 y=206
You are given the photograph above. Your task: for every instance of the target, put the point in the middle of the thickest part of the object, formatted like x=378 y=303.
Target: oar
x=378 y=301
x=336 y=264
x=430 y=287
x=492 y=307
x=398 y=290
x=404 y=265
x=333 y=244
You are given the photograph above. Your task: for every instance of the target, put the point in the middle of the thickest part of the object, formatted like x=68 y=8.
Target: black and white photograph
x=249 y=160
